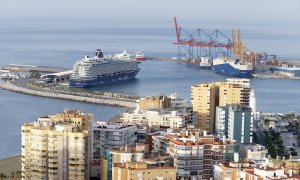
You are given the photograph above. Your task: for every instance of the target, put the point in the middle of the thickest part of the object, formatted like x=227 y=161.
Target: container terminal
x=228 y=56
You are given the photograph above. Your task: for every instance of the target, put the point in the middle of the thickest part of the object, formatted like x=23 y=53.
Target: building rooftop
x=116 y=125
x=140 y=166
x=240 y=164
x=193 y=137
x=255 y=147
x=204 y=140
x=266 y=168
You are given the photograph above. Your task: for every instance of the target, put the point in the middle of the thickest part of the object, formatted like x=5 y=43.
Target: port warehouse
x=290 y=72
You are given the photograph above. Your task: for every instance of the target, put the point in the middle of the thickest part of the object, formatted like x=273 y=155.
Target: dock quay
x=30 y=68
x=175 y=60
x=70 y=95
x=273 y=76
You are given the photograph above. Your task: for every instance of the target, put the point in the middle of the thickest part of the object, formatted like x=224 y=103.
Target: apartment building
x=232 y=170
x=141 y=170
x=235 y=122
x=154 y=102
x=168 y=103
x=253 y=152
x=194 y=152
x=108 y=135
x=139 y=153
x=267 y=173
x=159 y=117
x=205 y=98
x=57 y=147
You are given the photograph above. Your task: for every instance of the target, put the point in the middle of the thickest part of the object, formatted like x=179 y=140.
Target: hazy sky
x=242 y=11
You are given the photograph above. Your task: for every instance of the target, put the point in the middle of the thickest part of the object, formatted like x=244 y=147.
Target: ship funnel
x=99 y=53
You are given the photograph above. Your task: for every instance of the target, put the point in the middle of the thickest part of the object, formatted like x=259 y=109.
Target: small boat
x=139 y=56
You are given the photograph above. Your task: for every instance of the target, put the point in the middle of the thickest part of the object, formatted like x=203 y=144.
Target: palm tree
x=2 y=176
x=18 y=175
x=12 y=175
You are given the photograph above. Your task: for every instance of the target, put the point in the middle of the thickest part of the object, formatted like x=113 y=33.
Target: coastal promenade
x=73 y=96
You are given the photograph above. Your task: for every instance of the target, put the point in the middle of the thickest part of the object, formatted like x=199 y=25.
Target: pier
x=72 y=96
x=175 y=60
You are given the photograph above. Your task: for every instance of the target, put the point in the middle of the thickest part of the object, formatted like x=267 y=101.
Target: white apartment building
x=171 y=119
x=112 y=135
x=255 y=153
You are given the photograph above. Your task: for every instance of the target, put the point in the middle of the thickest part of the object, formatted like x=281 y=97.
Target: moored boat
x=97 y=71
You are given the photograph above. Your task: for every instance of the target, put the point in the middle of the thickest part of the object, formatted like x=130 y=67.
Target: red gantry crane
x=202 y=44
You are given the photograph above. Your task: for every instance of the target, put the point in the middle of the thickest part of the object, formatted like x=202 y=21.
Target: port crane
x=201 y=43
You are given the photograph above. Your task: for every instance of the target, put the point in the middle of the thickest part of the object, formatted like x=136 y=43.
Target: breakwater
x=73 y=96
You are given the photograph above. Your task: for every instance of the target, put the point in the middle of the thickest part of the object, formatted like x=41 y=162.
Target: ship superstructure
x=139 y=56
x=200 y=63
x=124 y=56
x=232 y=67
x=97 y=71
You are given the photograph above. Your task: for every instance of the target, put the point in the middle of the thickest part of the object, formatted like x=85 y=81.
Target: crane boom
x=176 y=28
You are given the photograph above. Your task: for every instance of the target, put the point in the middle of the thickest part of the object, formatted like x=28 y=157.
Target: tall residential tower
x=57 y=147
x=205 y=98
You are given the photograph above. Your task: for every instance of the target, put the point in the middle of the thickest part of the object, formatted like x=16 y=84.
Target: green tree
x=266 y=121
x=255 y=138
x=298 y=138
x=294 y=153
x=272 y=151
x=297 y=124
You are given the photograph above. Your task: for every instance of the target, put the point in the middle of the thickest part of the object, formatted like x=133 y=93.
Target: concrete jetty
x=36 y=92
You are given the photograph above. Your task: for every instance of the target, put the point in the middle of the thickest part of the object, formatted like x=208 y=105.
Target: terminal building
x=58 y=77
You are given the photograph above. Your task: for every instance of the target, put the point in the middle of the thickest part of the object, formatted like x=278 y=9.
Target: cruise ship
x=232 y=67
x=97 y=71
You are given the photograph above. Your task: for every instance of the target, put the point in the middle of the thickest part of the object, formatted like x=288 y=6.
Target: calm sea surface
x=61 y=44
